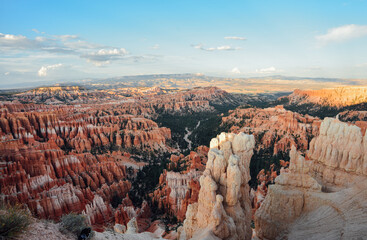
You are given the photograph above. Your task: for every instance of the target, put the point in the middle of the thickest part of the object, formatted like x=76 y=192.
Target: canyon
x=275 y=127
x=137 y=162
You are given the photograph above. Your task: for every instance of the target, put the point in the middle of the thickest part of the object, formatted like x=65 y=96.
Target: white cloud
x=44 y=69
x=7 y=73
x=343 y=33
x=111 y=52
x=235 y=38
x=104 y=56
x=11 y=37
x=35 y=30
x=17 y=42
x=224 y=48
x=235 y=71
x=267 y=70
x=156 y=46
x=220 y=48
x=62 y=44
x=66 y=37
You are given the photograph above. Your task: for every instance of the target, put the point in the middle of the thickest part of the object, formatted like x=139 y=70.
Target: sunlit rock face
x=322 y=195
x=339 y=154
x=129 y=100
x=179 y=185
x=223 y=209
x=334 y=97
x=274 y=128
x=48 y=159
x=59 y=158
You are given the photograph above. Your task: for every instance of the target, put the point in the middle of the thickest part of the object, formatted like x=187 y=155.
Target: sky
x=72 y=40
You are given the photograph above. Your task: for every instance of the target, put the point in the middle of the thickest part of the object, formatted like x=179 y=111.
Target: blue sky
x=70 y=40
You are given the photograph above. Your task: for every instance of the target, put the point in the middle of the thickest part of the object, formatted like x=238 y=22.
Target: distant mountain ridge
x=275 y=83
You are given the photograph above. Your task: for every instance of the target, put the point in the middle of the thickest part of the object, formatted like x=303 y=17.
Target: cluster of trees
x=147 y=179
x=263 y=159
x=209 y=125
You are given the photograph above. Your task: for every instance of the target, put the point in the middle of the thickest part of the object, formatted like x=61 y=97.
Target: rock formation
x=178 y=189
x=61 y=159
x=223 y=208
x=358 y=118
x=335 y=97
x=323 y=195
x=274 y=128
x=264 y=179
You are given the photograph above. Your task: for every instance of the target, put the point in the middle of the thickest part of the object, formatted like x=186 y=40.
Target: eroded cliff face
x=61 y=159
x=223 y=209
x=358 y=118
x=334 y=97
x=274 y=128
x=179 y=185
x=339 y=154
x=129 y=100
x=321 y=195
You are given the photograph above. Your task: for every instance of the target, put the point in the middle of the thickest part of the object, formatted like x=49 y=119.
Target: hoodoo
x=223 y=209
x=322 y=196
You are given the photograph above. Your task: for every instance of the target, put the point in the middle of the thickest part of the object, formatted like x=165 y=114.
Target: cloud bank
x=343 y=33
x=235 y=71
x=267 y=70
x=62 y=44
x=104 y=56
x=219 y=48
x=45 y=69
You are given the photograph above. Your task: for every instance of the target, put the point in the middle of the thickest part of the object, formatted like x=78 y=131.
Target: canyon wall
x=61 y=159
x=334 y=97
x=179 y=185
x=321 y=195
x=274 y=128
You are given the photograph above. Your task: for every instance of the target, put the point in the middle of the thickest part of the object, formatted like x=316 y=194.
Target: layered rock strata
x=334 y=97
x=223 y=208
x=274 y=128
x=323 y=195
x=178 y=189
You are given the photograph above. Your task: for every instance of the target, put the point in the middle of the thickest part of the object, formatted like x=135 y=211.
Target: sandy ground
x=45 y=230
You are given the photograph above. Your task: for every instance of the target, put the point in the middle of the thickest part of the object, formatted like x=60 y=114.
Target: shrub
x=13 y=221
x=74 y=223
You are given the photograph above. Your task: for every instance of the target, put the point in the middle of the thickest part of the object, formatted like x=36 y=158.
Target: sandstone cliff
x=323 y=195
x=179 y=185
x=61 y=159
x=334 y=97
x=223 y=207
x=274 y=128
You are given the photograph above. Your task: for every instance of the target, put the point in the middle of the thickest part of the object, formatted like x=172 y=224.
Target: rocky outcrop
x=136 y=101
x=182 y=191
x=45 y=163
x=333 y=97
x=179 y=185
x=323 y=194
x=223 y=207
x=264 y=179
x=339 y=154
x=274 y=128
x=176 y=191
x=358 y=118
